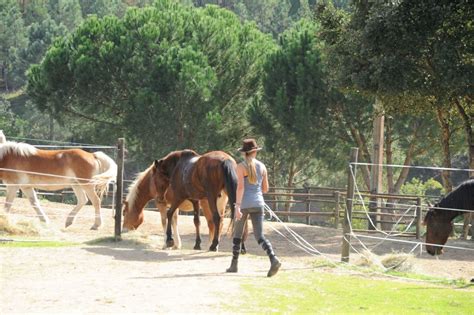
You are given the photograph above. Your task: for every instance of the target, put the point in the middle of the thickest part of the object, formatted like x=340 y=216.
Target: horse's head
x=131 y=219
x=438 y=229
x=161 y=178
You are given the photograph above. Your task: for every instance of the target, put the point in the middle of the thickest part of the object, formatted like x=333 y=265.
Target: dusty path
x=141 y=277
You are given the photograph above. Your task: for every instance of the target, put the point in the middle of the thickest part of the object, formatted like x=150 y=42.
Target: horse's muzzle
x=434 y=250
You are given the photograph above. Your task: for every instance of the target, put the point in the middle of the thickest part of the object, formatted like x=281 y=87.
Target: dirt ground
x=136 y=275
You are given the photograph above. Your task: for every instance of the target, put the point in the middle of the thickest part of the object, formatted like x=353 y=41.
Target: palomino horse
x=26 y=167
x=145 y=188
x=438 y=219
x=195 y=177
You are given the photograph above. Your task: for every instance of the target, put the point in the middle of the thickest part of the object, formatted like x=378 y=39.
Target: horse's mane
x=167 y=164
x=21 y=149
x=459 y=197
x=462 y=197
x=133 y=188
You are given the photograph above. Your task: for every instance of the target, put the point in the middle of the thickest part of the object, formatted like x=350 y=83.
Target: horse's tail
x=230 y=178
x=108 y=173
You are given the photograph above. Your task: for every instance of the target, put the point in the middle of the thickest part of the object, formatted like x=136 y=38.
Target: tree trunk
x=445 y=140
x=51 y=127
x=468 y=122
x=394 y=187
x=365 y=156
x=291 y=177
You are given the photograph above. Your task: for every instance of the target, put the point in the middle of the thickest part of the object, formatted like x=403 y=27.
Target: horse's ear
x=158 y=164
x=429 y=204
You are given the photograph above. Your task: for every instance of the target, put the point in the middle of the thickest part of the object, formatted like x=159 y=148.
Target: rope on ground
x=301 y=243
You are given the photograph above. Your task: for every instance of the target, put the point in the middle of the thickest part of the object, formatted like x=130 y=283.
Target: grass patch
x=26 y=243
x=315 y=292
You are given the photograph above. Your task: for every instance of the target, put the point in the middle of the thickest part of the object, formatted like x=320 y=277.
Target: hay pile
x=22 y=226
x=394 y=261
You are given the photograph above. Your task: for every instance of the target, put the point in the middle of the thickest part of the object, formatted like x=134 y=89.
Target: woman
x=252 y=183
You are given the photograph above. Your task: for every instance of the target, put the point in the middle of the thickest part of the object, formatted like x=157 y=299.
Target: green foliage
x=66 y=12
x=13 y=40
x=294 y=101
x=179 y=76
x=422 y=188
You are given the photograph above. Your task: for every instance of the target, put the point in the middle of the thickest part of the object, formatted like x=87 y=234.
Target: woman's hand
x=238 y=213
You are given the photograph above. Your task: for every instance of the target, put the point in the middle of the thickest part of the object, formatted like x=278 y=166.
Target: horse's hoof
x=243 y=251
x=175 y=247
x=95 y=227
x=213 y=248
x=197 y=247
x=68 y=224
x=169 y=243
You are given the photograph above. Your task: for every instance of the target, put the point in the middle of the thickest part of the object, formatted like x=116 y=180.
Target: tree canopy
x=179 y=75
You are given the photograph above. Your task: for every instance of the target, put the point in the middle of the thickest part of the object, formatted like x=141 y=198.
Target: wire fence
x=395 y=216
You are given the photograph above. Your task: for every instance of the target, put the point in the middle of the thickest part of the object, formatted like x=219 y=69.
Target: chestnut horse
x=145 y=188
x=195 y=177
x=26 y=167
x=438 y=219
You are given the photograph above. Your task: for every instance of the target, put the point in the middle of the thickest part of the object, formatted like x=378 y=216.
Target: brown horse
x=194 y=177
x=145 y=188
x=438 y=219
x=26 y=167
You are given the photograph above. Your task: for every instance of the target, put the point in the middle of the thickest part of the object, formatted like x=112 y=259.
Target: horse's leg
x=465 y=226
x=81 y=201
x=92 y=195
x=162 y=208
x=208 y=215
x=216 y=217
x=174 y=225
x=468 y=219
x=197 y=224
x=11 y=194
x=31 y=194
x=170 y=215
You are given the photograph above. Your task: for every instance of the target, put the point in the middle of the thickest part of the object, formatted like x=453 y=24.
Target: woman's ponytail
x=251 y=169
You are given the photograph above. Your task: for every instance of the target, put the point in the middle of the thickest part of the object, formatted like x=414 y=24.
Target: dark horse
x=439 y=218
x=194 y=177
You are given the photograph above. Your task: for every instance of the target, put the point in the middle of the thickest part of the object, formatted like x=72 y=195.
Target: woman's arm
x=264 y=180
x=240 y=190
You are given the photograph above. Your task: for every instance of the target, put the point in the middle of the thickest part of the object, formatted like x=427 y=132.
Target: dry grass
x=394 y=261
x=22 y=226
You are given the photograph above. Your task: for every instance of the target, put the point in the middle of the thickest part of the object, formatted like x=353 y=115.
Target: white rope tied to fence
x=301 y=243
x=89 y=180
x=356 y=187
x=77 y=144
x=415 y=167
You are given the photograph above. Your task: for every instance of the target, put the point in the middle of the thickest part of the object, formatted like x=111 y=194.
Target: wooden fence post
x=119 y=188
x=337 y=200
x=308 y=206
x=419 y=217
x=346 y=230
